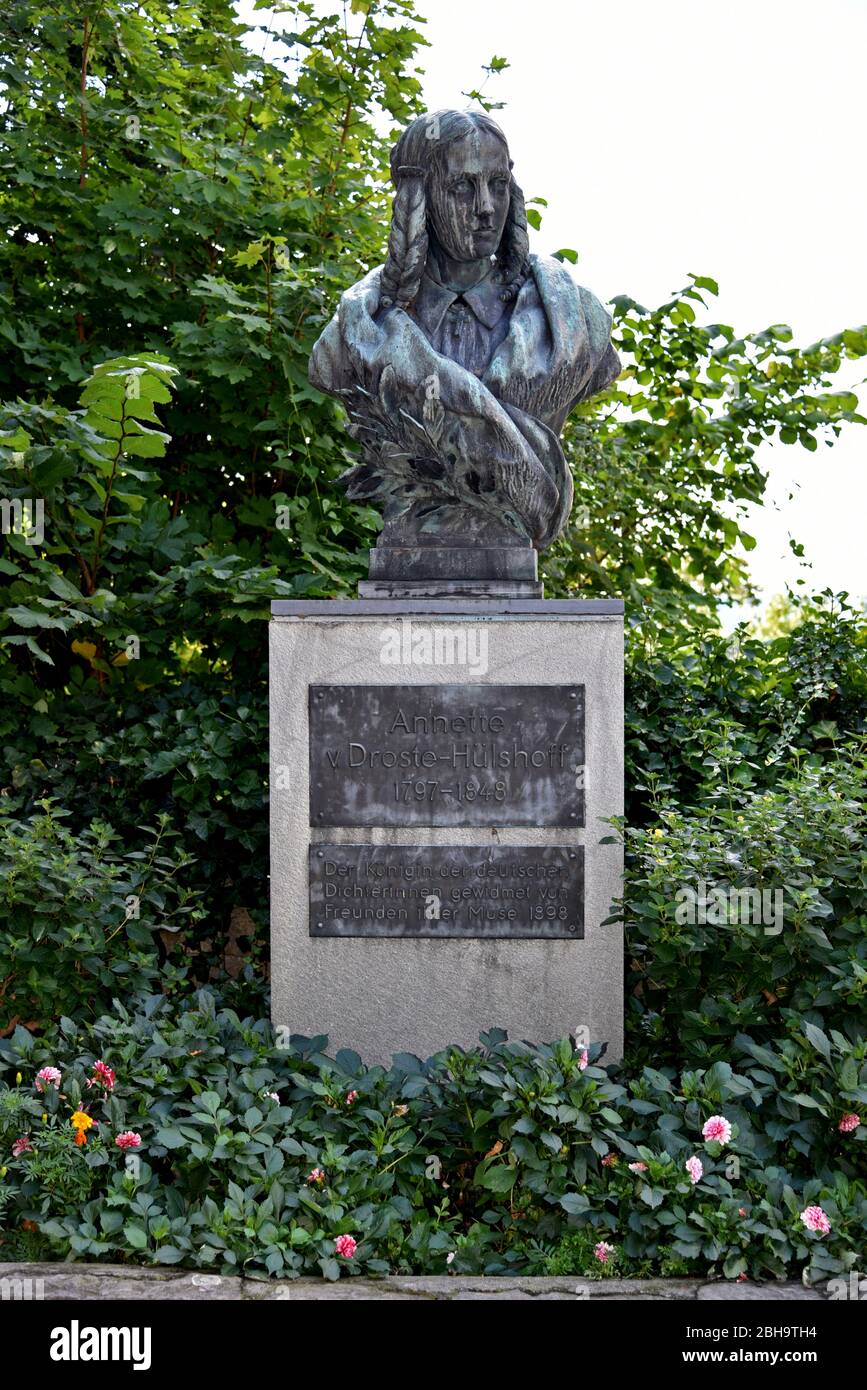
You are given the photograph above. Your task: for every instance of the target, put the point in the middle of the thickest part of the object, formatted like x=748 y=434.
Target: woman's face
x=469 y=197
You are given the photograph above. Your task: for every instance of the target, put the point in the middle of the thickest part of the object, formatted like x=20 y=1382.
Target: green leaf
x=575 y=1203
x=500 y=1178
x=818 y=1039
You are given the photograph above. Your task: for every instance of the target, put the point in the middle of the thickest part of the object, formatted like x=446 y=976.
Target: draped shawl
x=431 y=430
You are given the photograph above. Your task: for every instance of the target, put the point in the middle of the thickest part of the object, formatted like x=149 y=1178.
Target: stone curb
x=94 y=1283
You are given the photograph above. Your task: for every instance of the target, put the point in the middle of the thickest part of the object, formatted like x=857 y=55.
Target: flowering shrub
x=704 y=965
x=214 y=1148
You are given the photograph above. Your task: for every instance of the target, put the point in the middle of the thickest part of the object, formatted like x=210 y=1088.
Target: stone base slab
x=104 y=1283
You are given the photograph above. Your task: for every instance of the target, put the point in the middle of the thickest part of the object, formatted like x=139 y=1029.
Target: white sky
x=727 y=139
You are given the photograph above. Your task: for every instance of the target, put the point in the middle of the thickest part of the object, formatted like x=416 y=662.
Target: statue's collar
x=434 y=298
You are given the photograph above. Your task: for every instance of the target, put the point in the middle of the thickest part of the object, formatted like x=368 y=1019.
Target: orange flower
x=80 y=1137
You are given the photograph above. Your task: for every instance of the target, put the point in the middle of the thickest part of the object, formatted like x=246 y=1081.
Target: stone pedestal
x=441 y=771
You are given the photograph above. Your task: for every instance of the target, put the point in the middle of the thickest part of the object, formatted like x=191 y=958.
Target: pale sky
x=672 y=136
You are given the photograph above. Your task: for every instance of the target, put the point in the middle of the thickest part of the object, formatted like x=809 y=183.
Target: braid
x=407 y=240
x=514 y=249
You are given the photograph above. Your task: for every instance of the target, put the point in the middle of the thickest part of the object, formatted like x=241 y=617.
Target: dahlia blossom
x=638 y=1167
x=603 y=1251
x=815 y=1220
x=717 y=1129
x=694 y=1168
x=345 y=1246
x=103 y=1076
x=128 y=1140
x=848 y=1123
x=48 y=1076
x=21 y=1146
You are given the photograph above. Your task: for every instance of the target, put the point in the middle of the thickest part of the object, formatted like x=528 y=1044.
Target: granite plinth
x=404 y=993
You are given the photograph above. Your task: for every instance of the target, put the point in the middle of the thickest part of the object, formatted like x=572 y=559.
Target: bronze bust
x=458 y=361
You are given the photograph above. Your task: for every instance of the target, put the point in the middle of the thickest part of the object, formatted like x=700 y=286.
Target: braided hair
x=420 y=152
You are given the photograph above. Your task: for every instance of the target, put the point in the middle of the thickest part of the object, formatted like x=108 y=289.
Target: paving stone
x=93 y=1283
x=772 y=1293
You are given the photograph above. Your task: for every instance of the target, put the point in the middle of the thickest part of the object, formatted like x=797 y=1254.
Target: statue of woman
x=460 y=357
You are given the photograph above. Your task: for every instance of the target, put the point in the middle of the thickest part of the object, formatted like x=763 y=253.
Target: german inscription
x=447 y=891
x=388 y=755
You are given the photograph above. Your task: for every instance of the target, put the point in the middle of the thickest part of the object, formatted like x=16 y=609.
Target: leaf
x=808 y=1102
x=136 y=1237
x=32 y=645
x=818 y=1039
x=524 y=1125
x=169 y=1254
x=575 y=1203
x=492 y=1078
x=849 y=1074
x=499 y=1178
x=170 y=1138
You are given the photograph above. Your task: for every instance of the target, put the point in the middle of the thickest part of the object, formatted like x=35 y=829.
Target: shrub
x=258 y=1158
x=81 y=914
x=706 y=959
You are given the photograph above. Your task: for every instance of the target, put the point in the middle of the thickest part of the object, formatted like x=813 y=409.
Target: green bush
x=710 y=956
x=257 y=1157
x=80 y=915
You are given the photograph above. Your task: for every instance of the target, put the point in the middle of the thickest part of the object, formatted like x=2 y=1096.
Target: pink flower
x=345 y=1246
x=742 y=1278
x=717 y=1128
x=742 y=1211
x=48 y=1076
x=603 y=1251
x=273 y=1095
x=583 y=1061
x=694 y=1168
x=21 y=1146
x=128 y=1140
x=609 y=1161
x=815 y=1220
x=316 y=1175
x=103 y=1076
x=848 y=1123
x=351 y=1096
x=638 y=1167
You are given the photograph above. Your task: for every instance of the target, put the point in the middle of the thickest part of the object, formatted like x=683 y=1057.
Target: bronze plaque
x=386 y=755
x=447 y=890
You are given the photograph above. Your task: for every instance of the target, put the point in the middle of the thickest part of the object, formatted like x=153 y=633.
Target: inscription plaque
x=447 y=890
x=388 y=755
